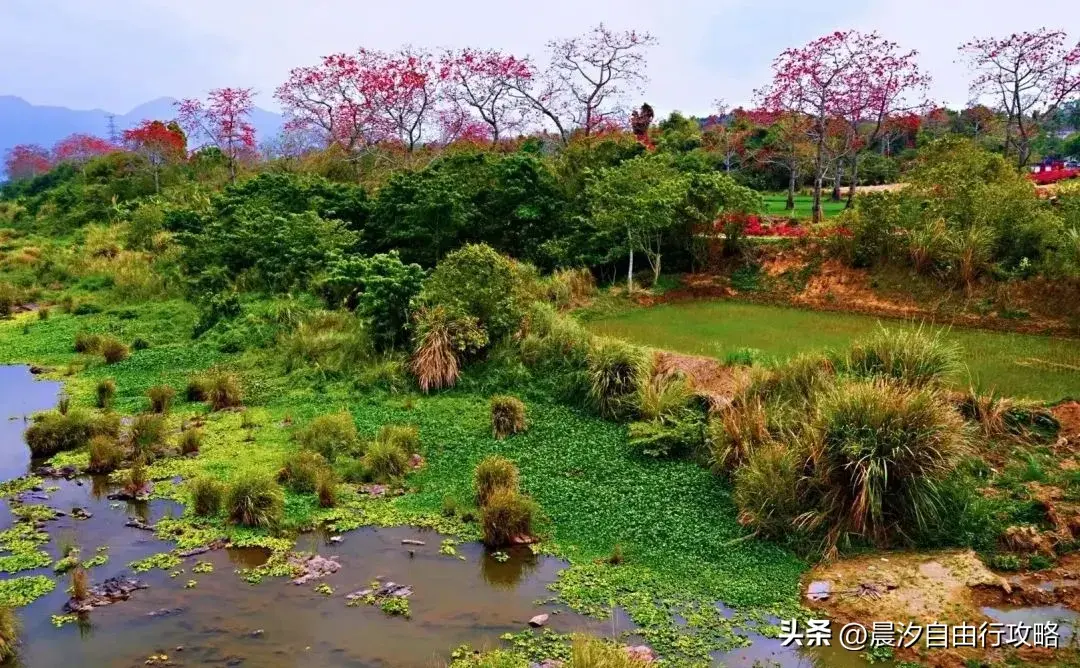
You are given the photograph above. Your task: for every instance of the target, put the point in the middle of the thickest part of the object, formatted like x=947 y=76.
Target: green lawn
x=774 y=205
x=1022 y=365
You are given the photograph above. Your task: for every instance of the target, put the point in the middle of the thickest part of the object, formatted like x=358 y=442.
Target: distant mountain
x=25 y=123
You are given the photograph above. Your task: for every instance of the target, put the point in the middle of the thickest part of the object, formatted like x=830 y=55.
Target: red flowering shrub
x=755 y=226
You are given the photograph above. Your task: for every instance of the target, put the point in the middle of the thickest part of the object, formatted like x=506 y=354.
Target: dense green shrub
x=494 y=473
x=507 y=416
x=332 y=435
x=255 y=500
x=914 y=357
x=52 y=432
x=206 y=493
x=616 y=371
x=380 y=289
x=161 y=397
x=477 y=281
x=506 y=517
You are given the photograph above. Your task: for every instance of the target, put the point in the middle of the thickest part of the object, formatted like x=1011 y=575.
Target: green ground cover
x=775 y=203
x=1011 y=364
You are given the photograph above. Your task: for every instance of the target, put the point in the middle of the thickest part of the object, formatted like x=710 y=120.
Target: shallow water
x=20 y=397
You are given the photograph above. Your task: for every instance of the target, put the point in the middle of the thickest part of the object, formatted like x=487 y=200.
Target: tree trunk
x=157 y=180
x=819 y=170
x=837 y=178
x=854 y=182
x=630 y=267
x=793 y=176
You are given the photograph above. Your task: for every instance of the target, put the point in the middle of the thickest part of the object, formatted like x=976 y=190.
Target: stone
x=538 y=621
x=108 y=592
x=641 y=653
x=336 y=540
x=374 y=490
x=416 y=461
x=256 y=633
x=819 y=590
x=81 y=513
x=409 y=541
x=136 y=523
x=314 y=567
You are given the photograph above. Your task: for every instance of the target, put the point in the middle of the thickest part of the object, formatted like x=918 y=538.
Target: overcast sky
x=115 y=54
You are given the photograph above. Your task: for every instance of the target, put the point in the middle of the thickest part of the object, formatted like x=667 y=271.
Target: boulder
x=538 y=621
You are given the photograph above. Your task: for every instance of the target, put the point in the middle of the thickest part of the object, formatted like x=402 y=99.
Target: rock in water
x=313 y=568
x=108 y=592
x=538 y=621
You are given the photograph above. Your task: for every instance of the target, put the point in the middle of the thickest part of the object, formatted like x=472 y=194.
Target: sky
x=116 y=54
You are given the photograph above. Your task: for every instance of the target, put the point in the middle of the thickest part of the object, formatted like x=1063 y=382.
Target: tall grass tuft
x=767 y=488
x=106 y=454
x=330 y=342
x=85 y=342
x=332 y=435
x=113 y=351
x=52 y=432
x=385 y=461
x=223 y=390
x=507 y=416
x=404 y=436
x=255 y=500
x=616 y=371
x=191 y=439
x=913 y=357
x=506 y=517
x=301 y=470
x=161 y=397
x=587 y=651
x=326 y=489
x=147 y=434
x=106 y=393
x=736 y=431
x=494 y=474
x=9 y=633
x=206 y=493
x=80 y=583
x=877 y=453
x=442 y=340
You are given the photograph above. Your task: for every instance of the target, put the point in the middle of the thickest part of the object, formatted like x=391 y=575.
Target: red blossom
x=222 y=121
x=79 y=148
x=480 y=82
x=26 y=161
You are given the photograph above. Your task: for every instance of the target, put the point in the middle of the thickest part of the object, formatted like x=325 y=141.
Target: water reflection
x=506 y=568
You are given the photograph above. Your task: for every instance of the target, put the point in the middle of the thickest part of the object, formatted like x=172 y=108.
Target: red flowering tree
x=823 y=81
x=332 y=99
x=79 y=148
x=786 y=144
x=26 y=161
x=587 y=80
x=159 y=143
x=403 y=89
x=222 y=121
x=1029 y=75
x=479 y=82
x=458 y=126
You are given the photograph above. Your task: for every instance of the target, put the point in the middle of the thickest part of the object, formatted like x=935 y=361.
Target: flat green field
x=774 y=206
x=1021 y=365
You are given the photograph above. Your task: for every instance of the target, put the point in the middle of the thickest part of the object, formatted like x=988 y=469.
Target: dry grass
x=507 y=416
x=435 y=363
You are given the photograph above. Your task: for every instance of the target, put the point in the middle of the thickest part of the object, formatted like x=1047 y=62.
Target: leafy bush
x=52 y=432
x=506 y=517
x=507 y=416
x=494 y=474
x=301 y=470
x=443 y=340
x=912 y=357
x=380 y=288
x=255 y=500
x=161 y=397
x=106 y=392
x=206 y=493
x=332 y=435
x=479 y=282
x=616 y=370
x=86 y=342
x=106 y=454
x=113 y=350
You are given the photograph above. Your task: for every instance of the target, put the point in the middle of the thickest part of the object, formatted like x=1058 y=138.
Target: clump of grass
x=161 y=397
x=8 y=298
x=794 y=382
x=190 y=440
x=198 y=389
x=80 y=583
x=301 y=470
x=913 y=357
x=450 y=506
x=43 y=313
x=334 y=342
x=326 y=488
x=442 y=338
x=735 y=431
x=616 y=370
x=206 y=493
x=404 y=436
x=507 y=416
x=663 y=396
x=106 y=454
x=507 y=517
x=494 y=474
x=139 y=343
x=879 y=449
x=9 y=633
x=588 y=651
x=223 y=390
x=106 y=393
x=113 y=350
x=138 y=480
x=330 y=435
x=385 y=461
x=52 y=432
x=85 y=342
x=767 y=490
x=63 y=404
x=255 y=500
x=147 y=433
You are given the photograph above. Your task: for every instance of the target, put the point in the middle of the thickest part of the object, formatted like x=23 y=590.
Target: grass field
x=1021 y=365
x=774 y=206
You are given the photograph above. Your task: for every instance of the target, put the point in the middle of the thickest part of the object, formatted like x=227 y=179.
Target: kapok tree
x=80 y=148
x=25 y=161
x=817 y=80
x=403 y=89
x=1028 y=75
x=478 y=82
x=160 y=144
x=223 y=120
x=587 y=80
